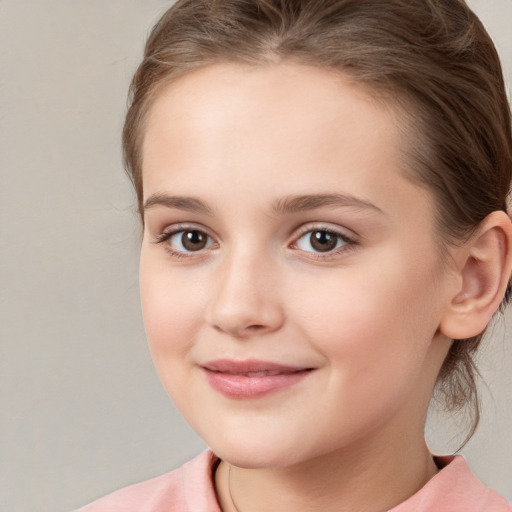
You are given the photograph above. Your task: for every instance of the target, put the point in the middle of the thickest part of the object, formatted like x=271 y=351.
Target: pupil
x=323 y=241
x=193 y=240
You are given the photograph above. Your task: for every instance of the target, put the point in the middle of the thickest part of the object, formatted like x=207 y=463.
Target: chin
x=253 y=452
x=259 y=458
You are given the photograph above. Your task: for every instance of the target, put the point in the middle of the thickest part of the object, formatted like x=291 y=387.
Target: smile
x=251 y=379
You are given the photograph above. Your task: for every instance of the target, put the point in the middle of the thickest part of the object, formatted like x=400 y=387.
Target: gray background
x=82 y=411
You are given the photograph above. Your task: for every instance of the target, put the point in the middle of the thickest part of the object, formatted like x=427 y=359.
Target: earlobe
x=484 y=272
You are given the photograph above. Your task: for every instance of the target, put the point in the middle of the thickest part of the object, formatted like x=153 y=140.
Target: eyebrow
x=291 y=204
x=295 y=204
x=190 y=204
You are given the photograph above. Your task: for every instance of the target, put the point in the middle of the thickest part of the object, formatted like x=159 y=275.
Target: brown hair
x=431 y=58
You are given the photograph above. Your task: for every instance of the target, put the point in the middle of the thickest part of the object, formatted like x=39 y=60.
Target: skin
x=367 y=316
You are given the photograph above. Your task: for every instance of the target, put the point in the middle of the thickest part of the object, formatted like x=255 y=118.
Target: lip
x=251 y=378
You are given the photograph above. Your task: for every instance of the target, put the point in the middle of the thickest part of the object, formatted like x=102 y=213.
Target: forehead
x=268 y=127
x=283 y=93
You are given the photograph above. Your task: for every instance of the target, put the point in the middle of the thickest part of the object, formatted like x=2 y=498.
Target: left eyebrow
x=294 y=204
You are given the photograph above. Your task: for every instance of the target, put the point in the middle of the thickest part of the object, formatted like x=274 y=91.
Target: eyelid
x=323 y=226
x=172 y=229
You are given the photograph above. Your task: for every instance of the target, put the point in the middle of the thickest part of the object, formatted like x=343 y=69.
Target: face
x=291 y=284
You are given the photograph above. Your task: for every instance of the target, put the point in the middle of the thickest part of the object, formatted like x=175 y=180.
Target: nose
x=245 y=301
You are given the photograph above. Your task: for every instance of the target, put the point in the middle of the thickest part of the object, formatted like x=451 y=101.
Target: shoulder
x=453 y=489
x=188 y=488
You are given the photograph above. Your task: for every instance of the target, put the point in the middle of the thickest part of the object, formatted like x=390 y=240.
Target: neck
x=335 y=482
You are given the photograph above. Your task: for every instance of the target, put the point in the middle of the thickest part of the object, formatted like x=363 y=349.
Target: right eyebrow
x=190 y=204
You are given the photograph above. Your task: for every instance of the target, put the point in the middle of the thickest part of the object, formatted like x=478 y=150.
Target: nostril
x=255 y=327
x=241 y=330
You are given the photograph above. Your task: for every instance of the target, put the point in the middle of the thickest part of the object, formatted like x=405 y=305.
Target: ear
x=483 y=265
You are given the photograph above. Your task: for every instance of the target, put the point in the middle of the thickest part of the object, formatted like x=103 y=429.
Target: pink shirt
x=190 y=489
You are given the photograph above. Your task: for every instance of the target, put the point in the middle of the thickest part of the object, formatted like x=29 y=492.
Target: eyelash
x=349 y=243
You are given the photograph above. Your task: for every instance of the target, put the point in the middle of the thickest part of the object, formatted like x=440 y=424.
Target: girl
x=323 y=187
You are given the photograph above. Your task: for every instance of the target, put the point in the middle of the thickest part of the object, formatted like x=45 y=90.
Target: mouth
x=252 y=378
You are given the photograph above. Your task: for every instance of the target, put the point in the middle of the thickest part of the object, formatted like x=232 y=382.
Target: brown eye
x=323 y=241
x=186 y=241
x=193 y=240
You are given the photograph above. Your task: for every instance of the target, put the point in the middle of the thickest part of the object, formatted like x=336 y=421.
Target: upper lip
x=250 y=366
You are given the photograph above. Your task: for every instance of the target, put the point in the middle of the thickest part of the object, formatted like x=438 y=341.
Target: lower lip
x=244 y=386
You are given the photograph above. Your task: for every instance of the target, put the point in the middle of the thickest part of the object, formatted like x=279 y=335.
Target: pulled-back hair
x=432 y=59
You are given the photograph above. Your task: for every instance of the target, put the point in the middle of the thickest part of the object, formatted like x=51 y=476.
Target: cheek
x=172 y=312
x=375 y=337
x=380 y=319
x=171 y=307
